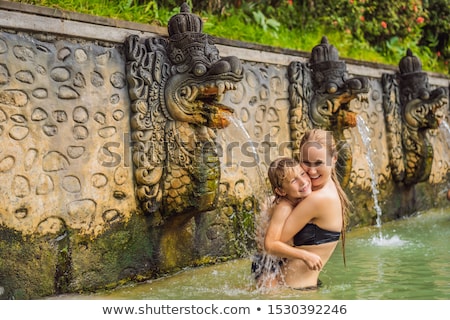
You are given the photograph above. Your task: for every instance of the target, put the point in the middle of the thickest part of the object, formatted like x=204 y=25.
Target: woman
x=317 y=222
x=290 y=184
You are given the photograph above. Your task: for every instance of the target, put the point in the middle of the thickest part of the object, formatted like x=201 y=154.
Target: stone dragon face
x=198 y=81
x=332 y=89
x=421 y=106
x=330 y=103
x=412 y=108
x=175 y=86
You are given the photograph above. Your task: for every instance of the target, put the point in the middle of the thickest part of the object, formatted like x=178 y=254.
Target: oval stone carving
x=60 y=74
x=3 y=46
x=80 y=55
x=3 y=116
x=111 y=215
x=63 y=53
x=23 y=53
x=40 y=93
x=54 y=161
x=30 y=158
x=21 y=213
x=25 y=76
x=97 y=79
x=118 y=115
x=80 y=114
x=20 y=186
x=71 y=184
x=18 y=118
x=66 y=92
x=39 y=114
x=81 y=209
x=18 y=132
x=4 y=74
x=13 y=98
x=51 y=225
x=80 y=132
x=99 y=180
x=118 y=80
x=75 y=151
x=7 y=163
x=107 y=132
x=79 y=80
x=45 y=185
x=120 y=175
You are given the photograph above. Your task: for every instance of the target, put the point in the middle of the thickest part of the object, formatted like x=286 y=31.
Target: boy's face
x=297 y=184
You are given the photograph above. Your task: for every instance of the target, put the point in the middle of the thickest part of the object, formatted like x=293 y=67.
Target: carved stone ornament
x=175 y=85
x=411 y=108
x=320 y=93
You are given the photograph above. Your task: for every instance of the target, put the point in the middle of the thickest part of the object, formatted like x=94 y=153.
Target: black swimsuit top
x=311 y=234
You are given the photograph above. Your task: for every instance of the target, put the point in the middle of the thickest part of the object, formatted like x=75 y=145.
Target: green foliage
x=391 y=27
x=371 y=30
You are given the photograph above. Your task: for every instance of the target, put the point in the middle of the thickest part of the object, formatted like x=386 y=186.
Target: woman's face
x=318 y=164
x=296 y=185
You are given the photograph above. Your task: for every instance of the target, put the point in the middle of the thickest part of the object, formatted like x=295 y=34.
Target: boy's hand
x=313 y=261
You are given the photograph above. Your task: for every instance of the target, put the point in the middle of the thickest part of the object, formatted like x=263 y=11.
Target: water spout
x=364 y=132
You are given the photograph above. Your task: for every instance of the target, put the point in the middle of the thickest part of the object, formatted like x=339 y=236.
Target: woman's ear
x=334 y=159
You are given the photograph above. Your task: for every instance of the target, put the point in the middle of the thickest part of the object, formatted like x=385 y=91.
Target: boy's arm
x=274 y=245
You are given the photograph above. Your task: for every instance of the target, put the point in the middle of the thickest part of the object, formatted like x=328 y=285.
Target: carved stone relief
x=175 y=85
x=260 y=132
x=412 y=108
x=320 y=95
x=63 y=107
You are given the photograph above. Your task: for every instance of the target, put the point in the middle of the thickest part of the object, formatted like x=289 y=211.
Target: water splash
x=445 y=128
x=393 y=241
x=267 y=266
x=247 y=147
x=364 y=133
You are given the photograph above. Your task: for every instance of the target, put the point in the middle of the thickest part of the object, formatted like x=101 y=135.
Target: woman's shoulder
x=323 y=195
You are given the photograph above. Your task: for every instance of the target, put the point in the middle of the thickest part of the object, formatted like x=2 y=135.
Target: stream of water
x=445 y=128
x=364 y=132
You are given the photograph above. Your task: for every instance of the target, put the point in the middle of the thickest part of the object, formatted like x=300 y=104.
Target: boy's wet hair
x=278 y=171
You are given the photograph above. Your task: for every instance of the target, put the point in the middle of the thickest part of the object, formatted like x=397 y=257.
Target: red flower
x=420 y=20
x=362 y=18
x=383 y=24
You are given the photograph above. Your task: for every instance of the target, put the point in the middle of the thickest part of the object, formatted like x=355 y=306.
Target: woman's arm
x=273 y=244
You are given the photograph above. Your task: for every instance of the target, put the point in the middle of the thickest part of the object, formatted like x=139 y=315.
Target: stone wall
x=69 y=219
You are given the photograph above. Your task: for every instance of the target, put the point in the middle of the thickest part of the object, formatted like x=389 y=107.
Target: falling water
x=377 y=240
x=265 y=264
x=364 y=132
x=244 y=139
x=445 y=128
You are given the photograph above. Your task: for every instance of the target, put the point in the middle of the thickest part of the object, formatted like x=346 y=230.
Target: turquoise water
x=407 y=259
